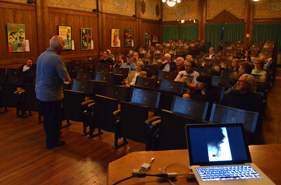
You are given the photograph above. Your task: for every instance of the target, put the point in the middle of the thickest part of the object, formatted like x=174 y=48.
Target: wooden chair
x=151 y=70
x=121 y=71
x=83 y=76
x=149 y=83
x=102 y=68
x=224 y=114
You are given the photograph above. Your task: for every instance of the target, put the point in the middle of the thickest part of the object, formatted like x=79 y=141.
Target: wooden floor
x=24 y=158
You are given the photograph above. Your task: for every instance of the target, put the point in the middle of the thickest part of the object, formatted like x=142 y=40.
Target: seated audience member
x=135 y=58
x=180 y=65
x=247 y=56
x=203 y=91
x=132 y=77
x=129 y=64
x=245 y=67
x=119 y=62
x=106 y=60
x=188 y=58
x=25 y=68
x=235 y=65
x=259 y=68
x=244 y=97
x=110 y=55
x=188 y=76
x=211 y=54
x=167 y=65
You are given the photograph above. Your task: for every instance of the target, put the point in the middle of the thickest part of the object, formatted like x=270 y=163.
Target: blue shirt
x=50 y=72
x=131 y=66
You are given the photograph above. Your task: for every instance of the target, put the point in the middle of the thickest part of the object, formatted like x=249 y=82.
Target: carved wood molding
x=71 y=11
x=20 y=6
x=268 y=20
x=225 y=17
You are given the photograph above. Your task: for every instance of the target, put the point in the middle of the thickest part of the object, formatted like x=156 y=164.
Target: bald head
x=57 y=43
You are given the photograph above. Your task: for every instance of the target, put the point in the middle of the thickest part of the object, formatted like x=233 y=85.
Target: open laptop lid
x=217 y=144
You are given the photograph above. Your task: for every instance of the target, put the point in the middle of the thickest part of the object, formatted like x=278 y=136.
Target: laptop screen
x=217 y=144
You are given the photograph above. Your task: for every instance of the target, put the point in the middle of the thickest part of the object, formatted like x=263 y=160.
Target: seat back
x=72 y=105
x=224 y=114
x=188 y=107
x=30 y=100
x=145 y=97
x=16 y=79
x=163 y=75
x=83 y=76
x=117 y=92
x=104 y=77
x=172 y=86
x=11 y=71
x=83 y=86
x=150 y=69
x=149 y=83
x=121 y=71
x=102 y=68
x=219 y=92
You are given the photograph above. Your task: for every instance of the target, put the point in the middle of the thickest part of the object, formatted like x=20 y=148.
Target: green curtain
x=267 y=32
x=189 y=32
x=232 y=32
x=170 y=32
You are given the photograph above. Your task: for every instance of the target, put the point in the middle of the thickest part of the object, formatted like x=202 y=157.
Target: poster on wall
x=16 y=37
x=128 y=38
x=65 y=33
x=115 y=39
x=86 y=38
x=154 y=38
x=146 y=39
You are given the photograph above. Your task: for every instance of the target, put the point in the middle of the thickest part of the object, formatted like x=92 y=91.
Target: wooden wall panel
x=17 y=13
x=153 y=27
x=119 y=22
x=77 y=20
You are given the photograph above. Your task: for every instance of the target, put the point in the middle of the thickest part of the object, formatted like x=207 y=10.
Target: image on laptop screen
x=210 y=144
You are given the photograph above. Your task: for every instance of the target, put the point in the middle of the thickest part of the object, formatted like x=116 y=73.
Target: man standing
x=51 y=73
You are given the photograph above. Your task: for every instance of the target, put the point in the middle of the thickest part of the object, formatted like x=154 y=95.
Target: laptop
x=219 y=155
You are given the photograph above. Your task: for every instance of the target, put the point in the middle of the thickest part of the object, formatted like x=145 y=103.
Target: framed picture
x=154 y=38
x=128 y=38
x=65 y=33
x=115 y=39
x=146 y=39
x=16 y=37
x=86 y=38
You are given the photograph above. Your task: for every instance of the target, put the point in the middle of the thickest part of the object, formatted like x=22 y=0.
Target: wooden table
x=266 y=157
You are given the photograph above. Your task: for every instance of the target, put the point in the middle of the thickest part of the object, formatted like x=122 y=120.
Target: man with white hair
x=167 y=65
x=51 y=74
x=244 y=97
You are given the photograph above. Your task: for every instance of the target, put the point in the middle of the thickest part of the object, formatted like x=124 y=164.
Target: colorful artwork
x=65 y=33
x=128 y=38
x=16 y=37
x=146 y=39
x=154 y=38
x=115 y=40
x=86 y=38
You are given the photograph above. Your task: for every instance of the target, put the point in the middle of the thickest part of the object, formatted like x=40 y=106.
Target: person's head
x=105 y=54
x=57 y=43
x=246 y=84
x=247 y=53
x=204 y=82
x=235 y=62
x=167 y=57
x=179 y=62
x=136 y=56
x=262 y=57
x=189 y=67
x=29 y=62
x=128 y=59
x=120 y=58
x=188 y=58
x=139 y=66
x=211 y=50
x=21 y=32
x=259 y=64
x=245 y=67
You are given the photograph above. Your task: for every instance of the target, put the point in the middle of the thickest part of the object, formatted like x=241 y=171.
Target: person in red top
x=180 y=66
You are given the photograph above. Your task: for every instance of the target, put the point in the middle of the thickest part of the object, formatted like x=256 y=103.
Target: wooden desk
x=266 y=157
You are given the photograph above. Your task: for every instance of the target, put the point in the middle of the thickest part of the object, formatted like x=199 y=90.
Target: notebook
x=219 y=154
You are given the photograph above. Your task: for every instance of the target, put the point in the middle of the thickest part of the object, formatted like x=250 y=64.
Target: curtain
x=232 y=32
x=189 y=32
x=267 y=32
x=170 y=32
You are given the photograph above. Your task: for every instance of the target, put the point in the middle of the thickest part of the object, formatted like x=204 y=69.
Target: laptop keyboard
x=227 y=173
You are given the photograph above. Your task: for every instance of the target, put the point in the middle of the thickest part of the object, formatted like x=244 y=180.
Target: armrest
x=148 y=121
x=154 y=123
x=19 y=91
x=91 y=105
x=116 y=112
x=85 y=103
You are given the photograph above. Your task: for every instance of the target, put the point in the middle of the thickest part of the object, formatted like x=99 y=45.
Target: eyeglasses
x=242 y=82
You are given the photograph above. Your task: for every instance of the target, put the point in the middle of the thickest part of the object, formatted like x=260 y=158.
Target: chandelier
x=171 y=3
